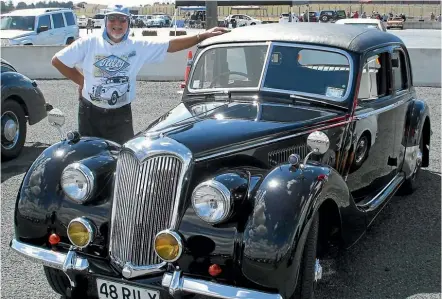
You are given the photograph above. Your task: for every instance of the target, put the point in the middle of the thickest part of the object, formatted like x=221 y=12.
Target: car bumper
x=176 y=284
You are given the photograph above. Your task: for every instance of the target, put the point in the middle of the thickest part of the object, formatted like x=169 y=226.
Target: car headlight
x=212 y=201
x=77 y=182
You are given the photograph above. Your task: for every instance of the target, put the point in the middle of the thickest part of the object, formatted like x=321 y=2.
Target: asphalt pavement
x=399 y=257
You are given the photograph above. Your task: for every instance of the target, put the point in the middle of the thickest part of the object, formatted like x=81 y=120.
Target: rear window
x=308 y=71
x=69 y=18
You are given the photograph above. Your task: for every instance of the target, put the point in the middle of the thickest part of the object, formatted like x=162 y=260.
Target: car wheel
x=57 y=280
x=310 y=270
x=253 y=24
x=361 y=152
x=13 y=129
x=324 y=19
x=113 y=99
x=70 y=41
x=410 y=184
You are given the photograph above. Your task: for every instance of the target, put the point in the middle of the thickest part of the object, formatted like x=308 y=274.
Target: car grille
x=282 y=155
x=144 y=201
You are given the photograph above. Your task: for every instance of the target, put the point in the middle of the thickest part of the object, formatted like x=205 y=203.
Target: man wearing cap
x=110 y=63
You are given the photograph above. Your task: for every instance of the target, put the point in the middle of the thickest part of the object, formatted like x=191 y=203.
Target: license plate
x=113 y=290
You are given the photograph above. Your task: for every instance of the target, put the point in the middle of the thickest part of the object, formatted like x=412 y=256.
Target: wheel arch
x=19 y=100
x=330 y=225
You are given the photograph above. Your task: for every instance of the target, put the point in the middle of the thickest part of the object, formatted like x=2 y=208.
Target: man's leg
x=118 y=125
x=85 y=127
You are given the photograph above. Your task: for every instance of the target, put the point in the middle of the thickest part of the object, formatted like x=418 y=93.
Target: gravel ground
x=399 y=257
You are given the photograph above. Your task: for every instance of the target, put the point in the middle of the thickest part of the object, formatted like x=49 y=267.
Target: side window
x=58 y=20
x=69 y=18
x=399 y=68
x=44 y=21
x=374 y=78
x=6 y=68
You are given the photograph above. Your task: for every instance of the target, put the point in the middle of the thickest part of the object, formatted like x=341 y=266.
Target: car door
x=59 y=28
x=401 y=83
x=44 y=37
x=375 y=162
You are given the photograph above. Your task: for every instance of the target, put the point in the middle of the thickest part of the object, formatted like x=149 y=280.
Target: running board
x=384 y=195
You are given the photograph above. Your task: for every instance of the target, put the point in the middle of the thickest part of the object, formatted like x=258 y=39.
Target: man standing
x=110 y=64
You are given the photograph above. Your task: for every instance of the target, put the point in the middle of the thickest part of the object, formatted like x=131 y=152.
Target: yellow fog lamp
x=81 y=232
x=168 y=245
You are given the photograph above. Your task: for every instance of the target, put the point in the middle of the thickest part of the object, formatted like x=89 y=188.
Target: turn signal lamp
x=215 y=270
x=81 y=232
x=168 y=245
x=54 y=239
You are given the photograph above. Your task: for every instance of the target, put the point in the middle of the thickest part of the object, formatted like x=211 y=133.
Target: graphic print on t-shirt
x=113 y=84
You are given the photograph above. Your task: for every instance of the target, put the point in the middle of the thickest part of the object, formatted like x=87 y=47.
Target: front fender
x=275 y=233
x=43 y=208
x=27 y=92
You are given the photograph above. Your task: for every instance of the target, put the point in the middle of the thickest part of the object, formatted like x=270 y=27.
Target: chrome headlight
x=212 y=201
x=77 y=182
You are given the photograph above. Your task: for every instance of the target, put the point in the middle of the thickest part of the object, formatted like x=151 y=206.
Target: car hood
x=210 y=127
x=15 y=33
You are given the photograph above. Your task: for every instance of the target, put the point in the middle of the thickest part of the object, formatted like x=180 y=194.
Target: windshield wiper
x=305 y=100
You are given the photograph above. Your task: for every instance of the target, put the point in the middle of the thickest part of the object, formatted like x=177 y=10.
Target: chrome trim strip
x=176 y=283
x=197 y=91
x=379 y=198
x=267 y=142
x=380 y=110
x=130 y=271
x=322 y=48
x=51 y=258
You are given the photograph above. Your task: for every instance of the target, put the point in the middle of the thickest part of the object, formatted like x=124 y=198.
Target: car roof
x=353 y=38
x=34 y=11
x=363 y=21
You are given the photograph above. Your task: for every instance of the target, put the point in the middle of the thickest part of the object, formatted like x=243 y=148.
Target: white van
x=39 y=26
x=98 y=20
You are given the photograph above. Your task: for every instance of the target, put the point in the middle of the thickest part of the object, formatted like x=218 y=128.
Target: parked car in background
x=395 y=22
x=286 y=142
x=326 y=16
x=313 y=16
x=98 y=20
x=285 y=18
x=369 y=23
x=39 y=26
x=82 y=21
x=242 y=20
x=22 y=104
x=156 y=21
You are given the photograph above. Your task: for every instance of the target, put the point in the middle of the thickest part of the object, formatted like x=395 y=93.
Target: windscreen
x=308 y=71
x=25 y=23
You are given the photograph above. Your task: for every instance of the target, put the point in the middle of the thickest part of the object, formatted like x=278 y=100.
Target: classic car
x=23 y=104
x=286 y=143
x=395 y=22
x=111 y=90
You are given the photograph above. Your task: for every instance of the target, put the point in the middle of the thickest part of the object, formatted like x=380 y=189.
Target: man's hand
x=214 y=32
x=181 y=43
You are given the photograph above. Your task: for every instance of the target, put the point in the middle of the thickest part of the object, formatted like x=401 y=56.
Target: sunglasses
x=113 y=18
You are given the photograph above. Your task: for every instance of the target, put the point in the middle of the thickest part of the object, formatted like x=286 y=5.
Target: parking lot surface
x=399 y=257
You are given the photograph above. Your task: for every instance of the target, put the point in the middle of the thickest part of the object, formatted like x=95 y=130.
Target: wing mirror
x=318 y=143
x=56 y=119
x=42 y=29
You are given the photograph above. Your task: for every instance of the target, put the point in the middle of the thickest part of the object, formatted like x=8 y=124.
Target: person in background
x=90 y=25
x=110 y=64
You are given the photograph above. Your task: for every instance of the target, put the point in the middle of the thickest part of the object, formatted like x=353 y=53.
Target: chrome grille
x=282 y=155
x=143 y=205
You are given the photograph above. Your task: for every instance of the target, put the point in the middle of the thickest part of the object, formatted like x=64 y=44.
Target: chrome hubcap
x=10 y=130
x=318 y=270
x=360 y=151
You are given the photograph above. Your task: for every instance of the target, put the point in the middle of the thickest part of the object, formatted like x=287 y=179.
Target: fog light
x=168 y=245
x=81 y=232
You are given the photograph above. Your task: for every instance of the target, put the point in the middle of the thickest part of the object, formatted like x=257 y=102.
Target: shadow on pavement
x=399 y=256
x=20 y=164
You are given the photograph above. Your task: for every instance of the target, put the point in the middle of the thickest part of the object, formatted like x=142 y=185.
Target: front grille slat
x=144 y=202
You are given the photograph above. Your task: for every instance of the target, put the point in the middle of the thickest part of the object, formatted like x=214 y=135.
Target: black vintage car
x=22 y=103
x=289 y=139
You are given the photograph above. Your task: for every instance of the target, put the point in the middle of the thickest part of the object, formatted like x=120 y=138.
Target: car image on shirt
x=113 y=89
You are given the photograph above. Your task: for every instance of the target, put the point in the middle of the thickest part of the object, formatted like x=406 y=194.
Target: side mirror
x=42 y=29
x=318 y=143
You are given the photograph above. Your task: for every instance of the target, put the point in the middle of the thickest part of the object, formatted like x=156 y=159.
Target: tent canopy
x=197 y=8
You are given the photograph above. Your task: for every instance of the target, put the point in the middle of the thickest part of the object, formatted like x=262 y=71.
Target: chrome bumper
x=174 y=282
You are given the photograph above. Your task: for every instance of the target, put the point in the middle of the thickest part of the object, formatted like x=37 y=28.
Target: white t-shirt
x=110 y=71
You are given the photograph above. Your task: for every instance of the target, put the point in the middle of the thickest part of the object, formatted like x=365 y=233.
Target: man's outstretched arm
x=182 y=43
